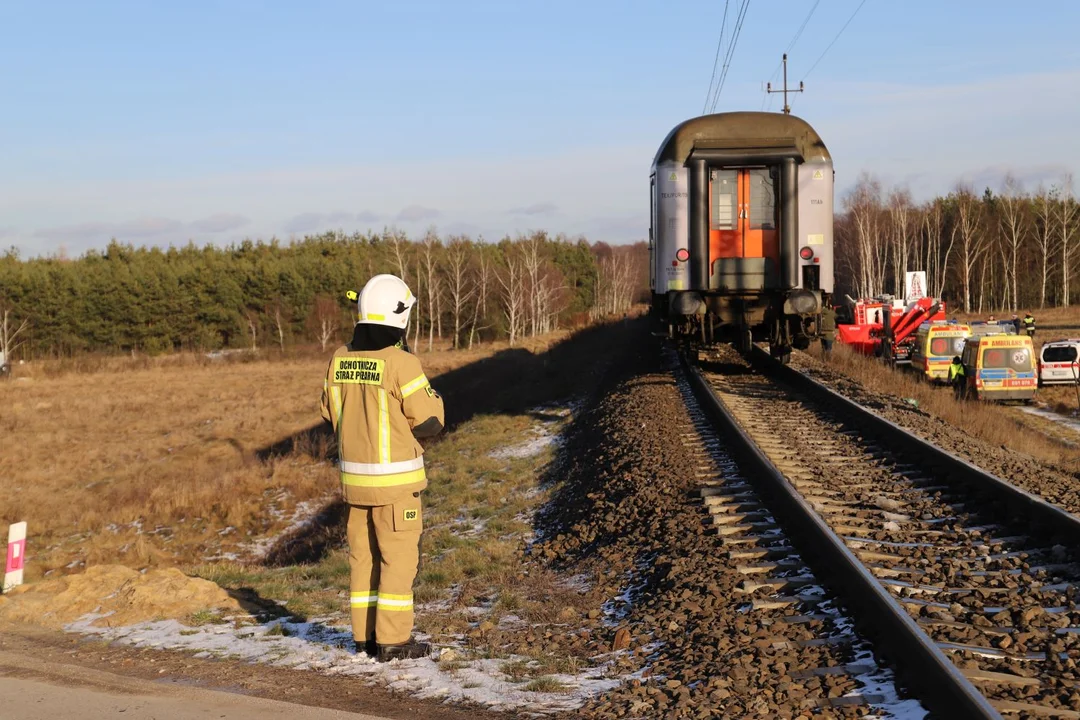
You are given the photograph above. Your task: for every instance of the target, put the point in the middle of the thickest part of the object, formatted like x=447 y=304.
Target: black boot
x=369 y=648
x=409 y=650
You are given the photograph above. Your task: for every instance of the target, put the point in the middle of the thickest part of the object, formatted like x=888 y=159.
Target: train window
x=724 y=188
x=762 y=200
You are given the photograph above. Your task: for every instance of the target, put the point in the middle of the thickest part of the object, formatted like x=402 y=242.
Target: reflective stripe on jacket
x=955 y=371
x=374 y=399
x=1030 y=322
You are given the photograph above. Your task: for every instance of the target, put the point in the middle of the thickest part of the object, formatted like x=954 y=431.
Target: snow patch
x=302 y=515
x=324 y=648
x=543 y=437
x=527 y=449
x=1069 y=422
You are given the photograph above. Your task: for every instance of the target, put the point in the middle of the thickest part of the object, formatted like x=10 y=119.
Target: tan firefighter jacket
x=375 y=399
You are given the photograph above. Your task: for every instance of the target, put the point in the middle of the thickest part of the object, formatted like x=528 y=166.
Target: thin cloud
x=222 y=222
x=304 y=222
x=615 y=229
x=311 y=221
x=7 y=231
x=417 y=213
x=133 y=229
x=468 y=229
x=367 y=217
x=1029 y=177
x=543 y=208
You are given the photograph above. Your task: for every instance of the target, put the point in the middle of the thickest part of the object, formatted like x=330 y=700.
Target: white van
x=1058 y=362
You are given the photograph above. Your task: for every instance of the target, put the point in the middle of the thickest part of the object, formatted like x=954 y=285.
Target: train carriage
x=741 y=229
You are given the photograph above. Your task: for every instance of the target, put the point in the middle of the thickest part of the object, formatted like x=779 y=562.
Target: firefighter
x=379 y=402
x=1029 y=325
x=827 y=327
x=957 y=377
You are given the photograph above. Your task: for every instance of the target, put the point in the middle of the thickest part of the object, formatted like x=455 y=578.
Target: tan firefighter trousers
x=384 y=553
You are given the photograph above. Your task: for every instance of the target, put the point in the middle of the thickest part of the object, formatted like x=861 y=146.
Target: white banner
x=914 y=285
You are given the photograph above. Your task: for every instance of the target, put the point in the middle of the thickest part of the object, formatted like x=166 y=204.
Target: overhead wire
x=834 y=40
x=787 y=51
x=740 y=19
x=716 y=60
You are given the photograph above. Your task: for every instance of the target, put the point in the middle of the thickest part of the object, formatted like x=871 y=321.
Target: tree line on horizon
x=1010 y=250
x=256 y=294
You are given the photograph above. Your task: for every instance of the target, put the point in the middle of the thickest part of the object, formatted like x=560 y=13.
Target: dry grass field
x=207 y=466
x=150 y=461
x=1004 y=426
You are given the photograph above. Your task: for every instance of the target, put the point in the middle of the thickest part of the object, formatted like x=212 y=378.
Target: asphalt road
x=32 y=689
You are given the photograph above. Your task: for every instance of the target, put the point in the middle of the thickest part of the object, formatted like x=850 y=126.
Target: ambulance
x=1058 y=363
x=936 y=344
x=999 y=367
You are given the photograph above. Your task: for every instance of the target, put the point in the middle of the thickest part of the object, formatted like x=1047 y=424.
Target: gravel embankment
x=626 y=514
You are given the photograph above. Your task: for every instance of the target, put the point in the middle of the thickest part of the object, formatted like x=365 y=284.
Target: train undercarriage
x=783 y=321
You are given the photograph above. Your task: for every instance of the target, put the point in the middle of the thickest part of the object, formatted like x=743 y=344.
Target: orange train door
x=742 y=214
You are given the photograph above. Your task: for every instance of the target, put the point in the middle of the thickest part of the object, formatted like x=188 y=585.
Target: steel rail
x=944 y=687
x=956 y=469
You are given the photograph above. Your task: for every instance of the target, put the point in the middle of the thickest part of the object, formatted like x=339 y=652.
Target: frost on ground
x=1070 y=422
x=544 y=434
x=303 y=515
x=875 y=681
x=319 y=647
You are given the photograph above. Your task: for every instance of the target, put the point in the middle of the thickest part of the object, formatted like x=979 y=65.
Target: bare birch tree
x=481 y=280
x=428 y=252
x=458 y=252
x=937 y=261
x=1043 y=223
x=972 y=242
x=252 y=320
x=902 y=222
x=1067 y=209
x=279 y=319
x=416 y=315
x=325 y=319
x=9 y=335
x=513 y=293
x=1013 y=203
x=398 y=245
x=864 y=208
x=531 y=259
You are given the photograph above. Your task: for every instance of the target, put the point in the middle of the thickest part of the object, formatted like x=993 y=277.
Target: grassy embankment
x=1001 y=425
x=162 y=461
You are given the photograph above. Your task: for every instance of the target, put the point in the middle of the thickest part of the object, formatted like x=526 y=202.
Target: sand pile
x=123 y=595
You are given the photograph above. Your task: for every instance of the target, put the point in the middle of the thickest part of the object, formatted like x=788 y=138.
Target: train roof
x=750 y=130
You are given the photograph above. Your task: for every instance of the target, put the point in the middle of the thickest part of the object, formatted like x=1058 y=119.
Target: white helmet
x=385 y=300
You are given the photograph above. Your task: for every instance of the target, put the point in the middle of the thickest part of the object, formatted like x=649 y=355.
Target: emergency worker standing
x=1029 y=325
x=957 y=377
x=827 y=328
x=379 y=402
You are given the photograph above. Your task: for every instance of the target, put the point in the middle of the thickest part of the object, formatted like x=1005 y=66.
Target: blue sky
x=160 y=122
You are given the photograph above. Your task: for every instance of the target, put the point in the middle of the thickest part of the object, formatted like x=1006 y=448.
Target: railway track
x=969 y=584
x=818 y=660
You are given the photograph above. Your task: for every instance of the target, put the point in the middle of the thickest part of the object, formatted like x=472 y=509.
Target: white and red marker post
x=16 y=555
